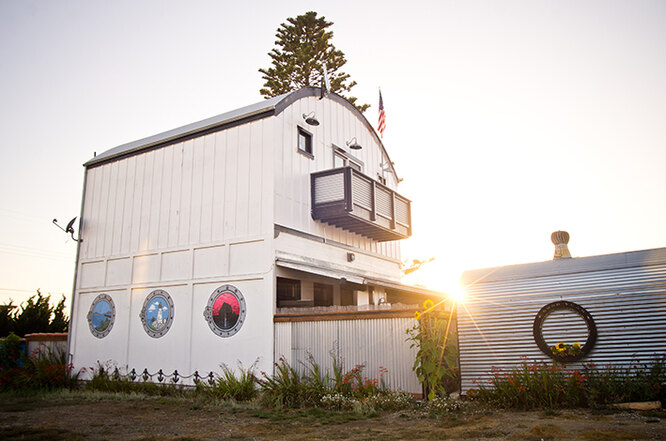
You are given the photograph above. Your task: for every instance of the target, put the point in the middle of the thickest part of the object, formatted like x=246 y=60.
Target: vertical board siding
x=292 y=169
x=373 y=343
x=205 y=190
x=628 y=306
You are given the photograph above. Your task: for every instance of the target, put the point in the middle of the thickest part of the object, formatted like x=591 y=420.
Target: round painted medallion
x=157 y=313
x=101 y=316
x=225 y=311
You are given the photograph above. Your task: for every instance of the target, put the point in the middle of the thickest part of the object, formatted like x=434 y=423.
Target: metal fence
x=378 y=343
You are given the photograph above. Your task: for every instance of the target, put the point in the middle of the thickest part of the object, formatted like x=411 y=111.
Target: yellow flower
x=417 y=315
x=561 y=346
x=576 y=345
x=428 y=304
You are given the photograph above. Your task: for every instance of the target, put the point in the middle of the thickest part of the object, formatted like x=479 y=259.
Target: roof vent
x=560 y=239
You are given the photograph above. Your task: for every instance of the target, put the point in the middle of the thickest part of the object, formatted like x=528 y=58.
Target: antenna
x=68 y=229
x=325 y=83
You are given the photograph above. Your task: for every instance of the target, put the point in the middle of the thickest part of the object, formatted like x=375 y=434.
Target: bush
x=46 y=369
x=35 y=315
x=289 y=388
x=228 y=386
x=542 y=385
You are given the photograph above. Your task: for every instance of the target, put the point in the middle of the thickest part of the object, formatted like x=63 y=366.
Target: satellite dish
x=70 y=228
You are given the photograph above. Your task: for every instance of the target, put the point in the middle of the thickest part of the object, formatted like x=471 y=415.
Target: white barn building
x=195 y=240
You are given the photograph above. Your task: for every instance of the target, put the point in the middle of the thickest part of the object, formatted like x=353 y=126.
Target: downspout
x=70 y=356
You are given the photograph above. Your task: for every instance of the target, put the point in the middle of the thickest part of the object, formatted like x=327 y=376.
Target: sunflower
x=428 y=304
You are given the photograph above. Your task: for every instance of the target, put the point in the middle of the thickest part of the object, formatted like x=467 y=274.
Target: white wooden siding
x=293 y=169
x=209 y=189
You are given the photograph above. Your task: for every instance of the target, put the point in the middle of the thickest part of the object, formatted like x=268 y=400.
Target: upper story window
x=344 y=159
x=305 y=142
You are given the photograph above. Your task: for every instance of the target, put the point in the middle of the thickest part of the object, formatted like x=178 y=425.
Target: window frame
x=308 y=136
x=347 y=158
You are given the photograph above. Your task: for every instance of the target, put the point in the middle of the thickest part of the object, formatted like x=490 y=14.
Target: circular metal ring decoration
x=101 y=316
x=157 y=313
x=225 y=312
x=570 y=306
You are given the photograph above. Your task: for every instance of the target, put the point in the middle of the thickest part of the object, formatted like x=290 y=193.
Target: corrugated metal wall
x=375 y=343
x=628 y=306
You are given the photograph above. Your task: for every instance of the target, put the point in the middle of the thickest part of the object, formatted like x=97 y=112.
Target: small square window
x=304 y=142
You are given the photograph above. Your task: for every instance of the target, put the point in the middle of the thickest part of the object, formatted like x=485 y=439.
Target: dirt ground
x=59 y=417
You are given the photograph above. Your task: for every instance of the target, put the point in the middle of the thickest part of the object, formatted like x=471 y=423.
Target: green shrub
x=289 y=388
x=46 y=370
x=286 y=388
x=228 y=385
x=542 y=385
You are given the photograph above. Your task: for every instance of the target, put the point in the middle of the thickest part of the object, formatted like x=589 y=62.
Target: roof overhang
x=353 y=278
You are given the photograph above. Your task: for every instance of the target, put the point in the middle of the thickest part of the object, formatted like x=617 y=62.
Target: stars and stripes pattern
x=381 y=124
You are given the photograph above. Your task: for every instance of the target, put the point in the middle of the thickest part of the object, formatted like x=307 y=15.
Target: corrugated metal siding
x=375 y=343
x=627 y=304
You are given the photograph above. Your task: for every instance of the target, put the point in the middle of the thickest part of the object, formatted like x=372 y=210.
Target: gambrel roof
x=263 y=109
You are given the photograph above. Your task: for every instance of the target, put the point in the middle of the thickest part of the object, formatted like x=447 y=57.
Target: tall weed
x=228 y=385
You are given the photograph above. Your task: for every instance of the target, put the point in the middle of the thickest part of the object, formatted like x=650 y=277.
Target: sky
x=507 y=120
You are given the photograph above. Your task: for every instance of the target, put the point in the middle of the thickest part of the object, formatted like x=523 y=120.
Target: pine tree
x=59 y=321
x=303 y=47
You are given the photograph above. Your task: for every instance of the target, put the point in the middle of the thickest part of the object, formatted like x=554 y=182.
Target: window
x=323 y=294
x=339 y=160
x=305 y=142
x=288 y=289
x=346 y=297
x=344 y=159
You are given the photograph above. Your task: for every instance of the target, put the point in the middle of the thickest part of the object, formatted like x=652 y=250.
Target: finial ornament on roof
x=560 y=239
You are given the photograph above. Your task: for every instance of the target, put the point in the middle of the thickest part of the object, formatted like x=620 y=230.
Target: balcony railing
x=348 y=199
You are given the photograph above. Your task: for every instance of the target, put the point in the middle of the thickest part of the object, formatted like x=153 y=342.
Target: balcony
x=348 y=199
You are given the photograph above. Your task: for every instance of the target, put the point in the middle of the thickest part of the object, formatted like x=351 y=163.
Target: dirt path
x=109 y=417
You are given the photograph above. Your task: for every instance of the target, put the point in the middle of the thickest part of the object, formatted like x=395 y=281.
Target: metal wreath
x=556 y=306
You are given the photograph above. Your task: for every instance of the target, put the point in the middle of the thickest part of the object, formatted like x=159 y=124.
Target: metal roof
x=263 y=107
x=566 y=266
x=269 y=107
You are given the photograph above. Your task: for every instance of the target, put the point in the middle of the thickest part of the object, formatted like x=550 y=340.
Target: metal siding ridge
x=627 y=304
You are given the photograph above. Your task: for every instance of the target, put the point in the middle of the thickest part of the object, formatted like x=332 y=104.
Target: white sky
x=507 y=119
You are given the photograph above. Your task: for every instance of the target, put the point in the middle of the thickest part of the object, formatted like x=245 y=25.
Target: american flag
x=381 y=125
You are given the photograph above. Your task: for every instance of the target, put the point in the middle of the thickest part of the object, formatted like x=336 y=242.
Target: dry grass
x=540 y=432
x=610 y=435
x=110 y=417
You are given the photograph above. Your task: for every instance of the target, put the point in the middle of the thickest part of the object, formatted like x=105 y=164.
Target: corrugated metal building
x=624 y=293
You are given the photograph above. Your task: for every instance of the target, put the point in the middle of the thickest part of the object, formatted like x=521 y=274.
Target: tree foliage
x=303 y=48
x=35 y=315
